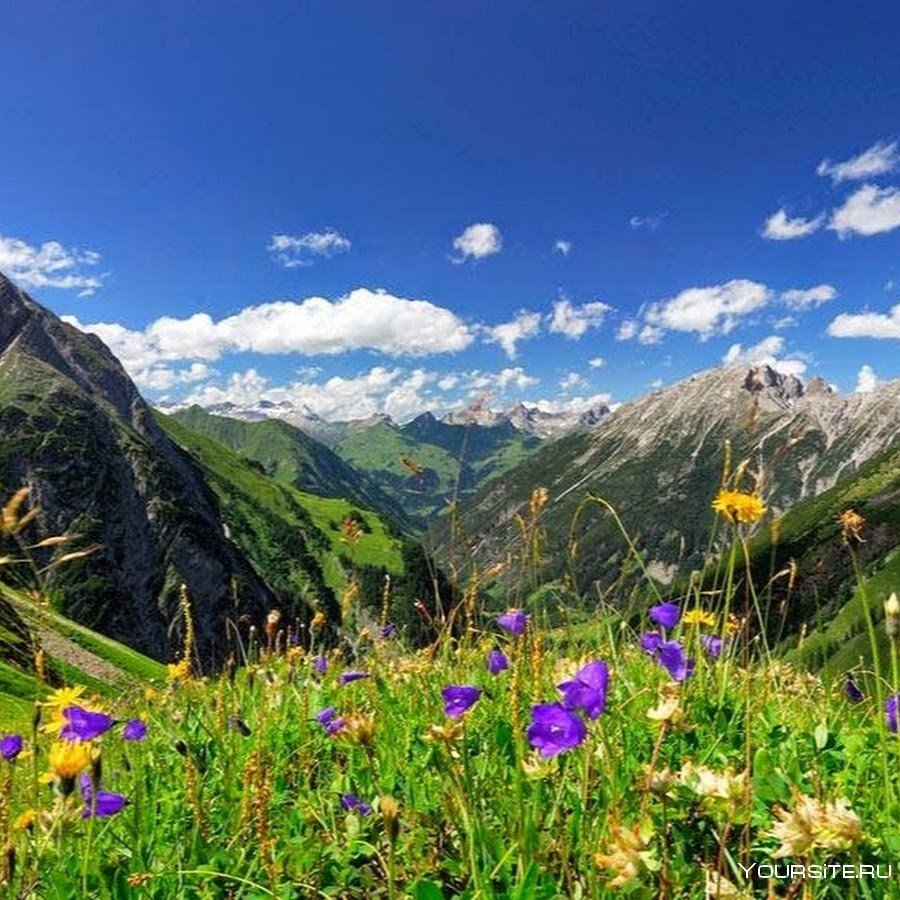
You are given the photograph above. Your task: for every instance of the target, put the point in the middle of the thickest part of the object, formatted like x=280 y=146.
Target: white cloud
x=784 y=322
x=779 y=227
x=51 y=265
x=597 y=362
x=477 y=241
x=164 y=378
x=572 y=405
x=870 y=210
x=478 y=382
x=705 y=311
x=866 y=380
x=651 y=223
x=870 y=325
x=766 y=352
x=570 y=381
x=628 y=330
x=292 y=251
x=573 y=321
x=564 y=247
x=807 y=298
x=362 y=319
x=525 y=325
x=879 y=159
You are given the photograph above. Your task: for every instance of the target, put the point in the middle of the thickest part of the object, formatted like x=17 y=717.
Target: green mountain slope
x=659 y=461
x=426 y=463
x=291 y=456
x=821 y=611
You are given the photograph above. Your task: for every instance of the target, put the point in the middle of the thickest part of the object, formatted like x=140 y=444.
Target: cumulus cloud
x=50 y=265
x=291 y=250
x=704 y=311
x=867 y=324
x=573 y=321
x=870 y=210
x=632 y=329
x=570 y=381
x=879 y=159
x=360 y=320
x=572 y=404
x=523 y=326
x=766 y=352
x=779 y=227
x=650 y=223
x=477 y=242
x=564 y=247
x=597 y=362
x=866 y=380
x=809 y=298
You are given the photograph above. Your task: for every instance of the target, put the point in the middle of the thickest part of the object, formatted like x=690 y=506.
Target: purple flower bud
x=497 y=662
x=650 y=641
x=459 y=698
x=106 y=804
x=665 y=614
x=713 y=645
x=347 y=677
x=852 y=691
x=388 y=630
x=135 y=730
x=83 y=724
x=351 y=801
x=320 y=664
x=891 y=711
x=554 y=729
x=326 y=715
x=671 y=656
x=11 y=746
x=513 y=621
x=587 y=690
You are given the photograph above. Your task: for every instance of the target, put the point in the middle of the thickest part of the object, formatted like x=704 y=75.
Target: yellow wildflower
x=812 y=823
x=318 y=620
x=699 y=617
x=61 y=699
x=738 y=506
x=68 y=759
x=26 y=820
x=150 y=694
x=852 y=524
x=180 y=672
x=626 y=854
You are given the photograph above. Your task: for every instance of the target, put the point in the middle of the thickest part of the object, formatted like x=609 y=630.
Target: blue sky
x=392 y=206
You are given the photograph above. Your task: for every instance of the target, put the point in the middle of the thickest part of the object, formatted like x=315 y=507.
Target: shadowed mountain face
x=74 y=429
x=659 y=461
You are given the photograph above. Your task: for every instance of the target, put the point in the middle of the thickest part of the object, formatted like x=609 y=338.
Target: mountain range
x=271 y=506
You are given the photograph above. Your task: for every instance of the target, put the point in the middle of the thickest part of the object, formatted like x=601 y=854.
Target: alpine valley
x=270 y=506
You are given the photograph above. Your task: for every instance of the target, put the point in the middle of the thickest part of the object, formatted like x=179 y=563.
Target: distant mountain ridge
x=659 y=460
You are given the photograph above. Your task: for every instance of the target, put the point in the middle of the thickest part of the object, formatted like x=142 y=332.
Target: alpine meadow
x=450 y=451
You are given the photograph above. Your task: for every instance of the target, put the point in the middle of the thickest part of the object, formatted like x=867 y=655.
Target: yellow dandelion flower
x=25 y=822
x=699 y=617
x=150 y=694
x=61 y=699
x=179 y=672
x=68 y=759
x=738 y=506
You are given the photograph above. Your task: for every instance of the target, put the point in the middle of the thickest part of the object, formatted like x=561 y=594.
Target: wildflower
x=650 y=641
x=665 y=614
x=626 y=854
x=150 y=694
x=11 y=746
x=588 y=689
x=513 y=621
x=852 y=524
x=135 y=730
x=713 y=785
x=497 y=662
x=84 y=724
x=348 y=677
x=335 y=725
x=180 y=672
x=388 y=630
x=104 y=805
x=699 y=617
x=891 y=711
x=26 y=821
x=459 y=698
x=320 y=664
x=359 y=728
x=390 y=810
x=670 y=655
x=554 y=729
x=713 y=645
x=59 y=700
x=67 y=761
x=326 y=715
x=892 y=616
x=738 y=506
x=814 y=823
x=318 y=620
x=445 y=734
x=669 y=708
x=352 y=802
x=536 y=767
x=852 y=691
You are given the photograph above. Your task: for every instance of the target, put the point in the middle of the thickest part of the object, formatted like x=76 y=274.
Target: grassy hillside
x=264 y=516
x=292 y=457
x=73 y=655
